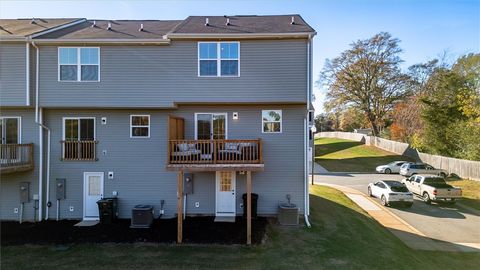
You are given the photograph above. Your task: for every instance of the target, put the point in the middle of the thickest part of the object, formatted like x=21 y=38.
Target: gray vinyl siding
x=140 y=176
x=271 y=71
x=9 y=183
x=12 y=74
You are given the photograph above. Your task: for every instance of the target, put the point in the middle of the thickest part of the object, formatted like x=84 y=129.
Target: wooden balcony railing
x=215 y=152
x=79 y=150
x=16 y=157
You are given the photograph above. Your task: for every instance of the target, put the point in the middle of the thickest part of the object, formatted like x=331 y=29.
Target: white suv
x=409 y=169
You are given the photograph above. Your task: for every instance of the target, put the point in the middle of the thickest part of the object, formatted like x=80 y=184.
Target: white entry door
x=93 y=191
x=225 y=193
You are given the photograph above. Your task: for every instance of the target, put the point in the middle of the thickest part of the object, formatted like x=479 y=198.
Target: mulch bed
x=195 y=230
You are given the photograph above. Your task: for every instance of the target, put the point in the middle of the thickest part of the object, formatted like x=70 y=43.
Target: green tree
x=451 y=111
x=367 y=77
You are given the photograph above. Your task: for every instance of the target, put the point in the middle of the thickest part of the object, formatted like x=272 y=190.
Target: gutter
x=152 y=41
x=41 y=126
x=238 y=36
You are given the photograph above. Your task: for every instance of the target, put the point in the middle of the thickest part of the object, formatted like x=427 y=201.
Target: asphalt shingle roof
x=243 y=24
x=25 y=27
x=156 y=29
x=120 y=29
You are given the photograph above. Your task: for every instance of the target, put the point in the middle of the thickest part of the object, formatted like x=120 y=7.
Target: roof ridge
x=180 y=25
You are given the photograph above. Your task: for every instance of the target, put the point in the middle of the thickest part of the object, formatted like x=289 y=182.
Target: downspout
x=39 y=122
x=305 y=182
x=305 y=141
x=27 y=73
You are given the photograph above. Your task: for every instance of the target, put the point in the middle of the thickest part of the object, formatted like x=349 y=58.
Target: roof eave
x=239 y=35
x=102 y=41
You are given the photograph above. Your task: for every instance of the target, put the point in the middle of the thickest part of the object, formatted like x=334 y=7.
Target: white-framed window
x=139 y=126
x=11 y=129
x=79 y=128
x=79 y=139
x=219 y=59
x=78 y=64
x=271 y=121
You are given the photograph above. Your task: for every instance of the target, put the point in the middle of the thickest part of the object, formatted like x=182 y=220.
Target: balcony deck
x=16 y=158
x=215 y=155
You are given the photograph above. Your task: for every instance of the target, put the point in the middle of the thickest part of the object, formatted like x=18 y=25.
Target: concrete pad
x=317 y=168
x=363 y=202
x=225 y=219
x=87 y=223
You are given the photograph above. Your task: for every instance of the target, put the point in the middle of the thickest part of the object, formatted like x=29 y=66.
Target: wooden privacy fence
x=16 y=155
x=464 y=168
x=215 y=151
x=79 y=150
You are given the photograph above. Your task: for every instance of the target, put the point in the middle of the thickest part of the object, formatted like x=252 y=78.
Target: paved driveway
x=454 y=224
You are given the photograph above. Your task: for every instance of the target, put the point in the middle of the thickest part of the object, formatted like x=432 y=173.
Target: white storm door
x=225 y=193
x=93 y=191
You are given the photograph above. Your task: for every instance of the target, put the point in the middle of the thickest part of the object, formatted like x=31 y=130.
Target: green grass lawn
x=470 y=192
x=338 y=155
x=342 y=237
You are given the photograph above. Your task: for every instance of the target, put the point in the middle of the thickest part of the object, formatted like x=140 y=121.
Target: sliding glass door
x=211 y=126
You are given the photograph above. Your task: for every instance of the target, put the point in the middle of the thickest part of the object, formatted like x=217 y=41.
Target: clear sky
x=426 y=28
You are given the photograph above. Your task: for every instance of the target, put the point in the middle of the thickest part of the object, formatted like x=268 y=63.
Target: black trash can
x=254 y=205
x=107 y=210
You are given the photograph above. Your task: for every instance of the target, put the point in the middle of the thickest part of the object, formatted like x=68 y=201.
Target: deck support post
x=180 y=208
x=249 y=207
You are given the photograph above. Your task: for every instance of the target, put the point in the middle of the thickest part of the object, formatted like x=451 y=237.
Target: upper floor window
x=272 y=121
x=78 y=64
x=219 y=59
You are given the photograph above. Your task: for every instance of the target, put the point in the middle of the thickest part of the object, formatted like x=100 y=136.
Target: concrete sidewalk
x=404 y=231
x=317 y=169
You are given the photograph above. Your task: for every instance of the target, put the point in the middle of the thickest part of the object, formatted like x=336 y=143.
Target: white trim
x=19 y=127
x=239 y=36
x=79 y=118
x=27 y=73
x=281 y=121
x=226 y=123
x=56 y=28
x=102 y=176
x=140 y=126
x=78 y=64
x=218 y=59
x=152 y=41
x=217 y=190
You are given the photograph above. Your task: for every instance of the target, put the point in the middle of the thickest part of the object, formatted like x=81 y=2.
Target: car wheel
x=369 y=191
x=442 y=174
x=426 y=198
x=383 y=200
x=388 y=171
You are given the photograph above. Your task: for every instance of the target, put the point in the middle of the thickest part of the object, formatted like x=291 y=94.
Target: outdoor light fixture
x=235 y=116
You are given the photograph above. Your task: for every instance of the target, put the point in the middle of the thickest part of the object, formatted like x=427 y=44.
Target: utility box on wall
x=61 y=188
x=188 y=183
x=24 y=192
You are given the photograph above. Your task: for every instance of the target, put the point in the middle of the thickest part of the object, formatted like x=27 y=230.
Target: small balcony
x=79 y=150
x=212 y=155
x=16 y=158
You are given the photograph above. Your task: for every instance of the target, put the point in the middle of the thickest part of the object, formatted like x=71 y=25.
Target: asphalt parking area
x=449 y=223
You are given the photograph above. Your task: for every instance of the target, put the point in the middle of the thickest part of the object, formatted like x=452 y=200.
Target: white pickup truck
x=432 y=188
